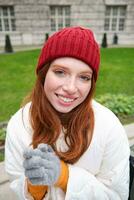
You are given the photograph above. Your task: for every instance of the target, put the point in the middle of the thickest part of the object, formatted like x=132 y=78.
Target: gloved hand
x=42 y=166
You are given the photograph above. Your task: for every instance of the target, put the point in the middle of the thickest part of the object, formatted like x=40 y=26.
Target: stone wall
x=33 y=19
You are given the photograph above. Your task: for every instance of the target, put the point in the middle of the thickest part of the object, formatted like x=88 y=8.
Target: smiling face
x=67 y=83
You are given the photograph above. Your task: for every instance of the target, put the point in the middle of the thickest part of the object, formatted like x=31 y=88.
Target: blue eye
x=85 y=78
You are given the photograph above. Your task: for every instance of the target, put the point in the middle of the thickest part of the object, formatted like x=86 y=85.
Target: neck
x=64 y=118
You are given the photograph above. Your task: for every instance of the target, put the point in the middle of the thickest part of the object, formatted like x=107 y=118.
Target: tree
x=47 y=36
x=104 y=41
x=115 y=39
x=8 y=45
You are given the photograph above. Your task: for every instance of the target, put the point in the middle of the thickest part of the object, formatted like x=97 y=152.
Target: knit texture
x=76 y=42
x=42 y=166
x=37 y=191
x=63 y=178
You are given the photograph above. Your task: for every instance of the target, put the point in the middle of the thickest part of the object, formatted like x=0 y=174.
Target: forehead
x=71 y=64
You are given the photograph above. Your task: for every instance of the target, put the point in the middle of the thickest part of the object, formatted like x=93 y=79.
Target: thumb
x=45 y=147
x=27 y=153
x=50 y=149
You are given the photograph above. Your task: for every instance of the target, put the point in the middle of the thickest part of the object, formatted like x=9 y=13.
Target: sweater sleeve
x=18 y=137
x=112 y=179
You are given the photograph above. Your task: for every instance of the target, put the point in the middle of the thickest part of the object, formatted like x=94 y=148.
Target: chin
x=64 y=110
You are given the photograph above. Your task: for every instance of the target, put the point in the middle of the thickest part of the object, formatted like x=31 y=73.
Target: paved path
x=130 y=133
x=7 y=194
x=5 y=191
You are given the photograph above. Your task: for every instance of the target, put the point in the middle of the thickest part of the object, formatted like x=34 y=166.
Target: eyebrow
x=57 y=65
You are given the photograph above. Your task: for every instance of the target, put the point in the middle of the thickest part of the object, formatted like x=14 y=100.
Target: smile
x=65 y=99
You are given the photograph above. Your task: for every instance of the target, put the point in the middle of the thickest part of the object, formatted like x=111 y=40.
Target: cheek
x=85 y=90
x=48 y=84
x=51 y=83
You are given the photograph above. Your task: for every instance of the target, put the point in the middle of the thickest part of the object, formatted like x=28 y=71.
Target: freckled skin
x=67 y=83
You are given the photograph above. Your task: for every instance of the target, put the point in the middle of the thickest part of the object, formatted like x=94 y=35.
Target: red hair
x=46 y=122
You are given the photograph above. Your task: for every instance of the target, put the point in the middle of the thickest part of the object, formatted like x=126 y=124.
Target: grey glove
x=42 y=166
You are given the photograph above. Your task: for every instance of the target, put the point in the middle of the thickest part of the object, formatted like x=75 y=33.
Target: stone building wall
x=33 y=19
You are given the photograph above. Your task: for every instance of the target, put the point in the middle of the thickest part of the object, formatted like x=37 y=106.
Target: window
x=7 y=18
x=115 y=18
x=60 y=17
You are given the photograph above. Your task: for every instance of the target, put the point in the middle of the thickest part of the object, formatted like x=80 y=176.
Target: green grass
x=116 y=71
x=16 y=79
x=17 y=75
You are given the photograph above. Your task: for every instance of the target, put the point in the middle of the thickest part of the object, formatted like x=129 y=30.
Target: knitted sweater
x=102 y=172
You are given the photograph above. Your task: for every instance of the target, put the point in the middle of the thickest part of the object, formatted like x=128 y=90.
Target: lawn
x=16 y=79
x=17 y=75
x=116 y=71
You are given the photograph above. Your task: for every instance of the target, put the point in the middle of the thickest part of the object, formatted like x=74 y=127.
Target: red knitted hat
x=77 y=42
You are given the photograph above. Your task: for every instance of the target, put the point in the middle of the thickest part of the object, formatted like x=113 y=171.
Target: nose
x=70 y=86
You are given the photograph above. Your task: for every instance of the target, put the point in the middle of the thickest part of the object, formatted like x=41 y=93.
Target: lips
x=65 y=99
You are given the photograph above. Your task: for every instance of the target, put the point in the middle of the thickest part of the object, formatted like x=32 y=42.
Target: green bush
x=120 y=104
x=2 y=134
x=8 y=45
x=104 y=41
x=1 y=156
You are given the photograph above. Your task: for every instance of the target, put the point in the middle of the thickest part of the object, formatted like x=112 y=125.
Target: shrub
x=8 y=45
x=104 y=41
x=120 y=104
x=115 y=39
x=1 y=156
x=2 y=134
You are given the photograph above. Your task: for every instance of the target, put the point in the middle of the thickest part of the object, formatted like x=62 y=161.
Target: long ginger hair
x=46 y=122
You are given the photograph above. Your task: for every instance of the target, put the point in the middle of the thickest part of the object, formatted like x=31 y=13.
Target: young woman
x=62 y=144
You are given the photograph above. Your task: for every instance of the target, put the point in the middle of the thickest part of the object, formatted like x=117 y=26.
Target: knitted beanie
x=76 y=42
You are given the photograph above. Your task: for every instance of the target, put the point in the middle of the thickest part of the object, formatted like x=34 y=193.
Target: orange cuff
x=37 y=191
x=63 y=178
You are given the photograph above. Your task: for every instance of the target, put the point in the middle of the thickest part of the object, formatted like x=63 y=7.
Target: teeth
x=65 y=99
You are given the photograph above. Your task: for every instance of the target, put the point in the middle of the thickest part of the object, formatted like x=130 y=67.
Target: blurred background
x=26 y=24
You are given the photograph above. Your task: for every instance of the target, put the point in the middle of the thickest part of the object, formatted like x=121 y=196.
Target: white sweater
x=102 y=172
